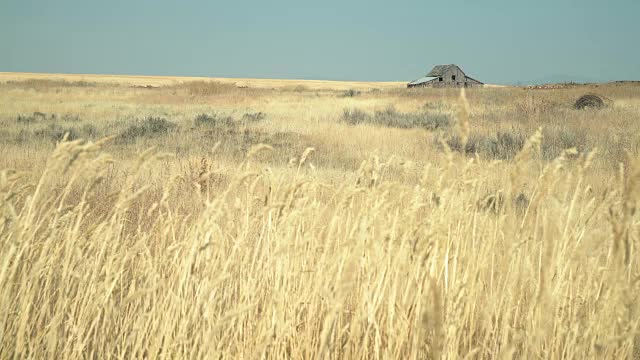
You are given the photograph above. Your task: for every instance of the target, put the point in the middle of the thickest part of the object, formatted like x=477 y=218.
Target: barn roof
x=438 y=70
x=422 y=80
x=470 y=78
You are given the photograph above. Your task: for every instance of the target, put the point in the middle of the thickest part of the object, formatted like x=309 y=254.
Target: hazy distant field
x=247 y=218
x=137 y=80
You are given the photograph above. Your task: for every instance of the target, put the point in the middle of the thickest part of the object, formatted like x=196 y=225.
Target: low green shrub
x=57 y=132
x=502 y=145
x=253 y=117
x=213 y=120
x=350 y=93
x=149 y=127
x=390 y=117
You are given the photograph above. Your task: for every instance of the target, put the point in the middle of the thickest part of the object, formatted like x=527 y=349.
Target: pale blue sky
x=493 y=41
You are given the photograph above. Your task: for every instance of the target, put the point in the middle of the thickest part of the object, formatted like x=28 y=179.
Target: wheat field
x=261 y=219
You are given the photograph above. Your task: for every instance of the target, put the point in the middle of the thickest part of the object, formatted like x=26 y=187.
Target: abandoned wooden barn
x=446 y=76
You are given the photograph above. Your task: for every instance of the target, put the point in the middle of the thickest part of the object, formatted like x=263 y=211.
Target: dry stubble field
x=187 y=218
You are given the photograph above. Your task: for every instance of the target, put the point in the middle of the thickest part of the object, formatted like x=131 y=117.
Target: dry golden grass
x=297 y=235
